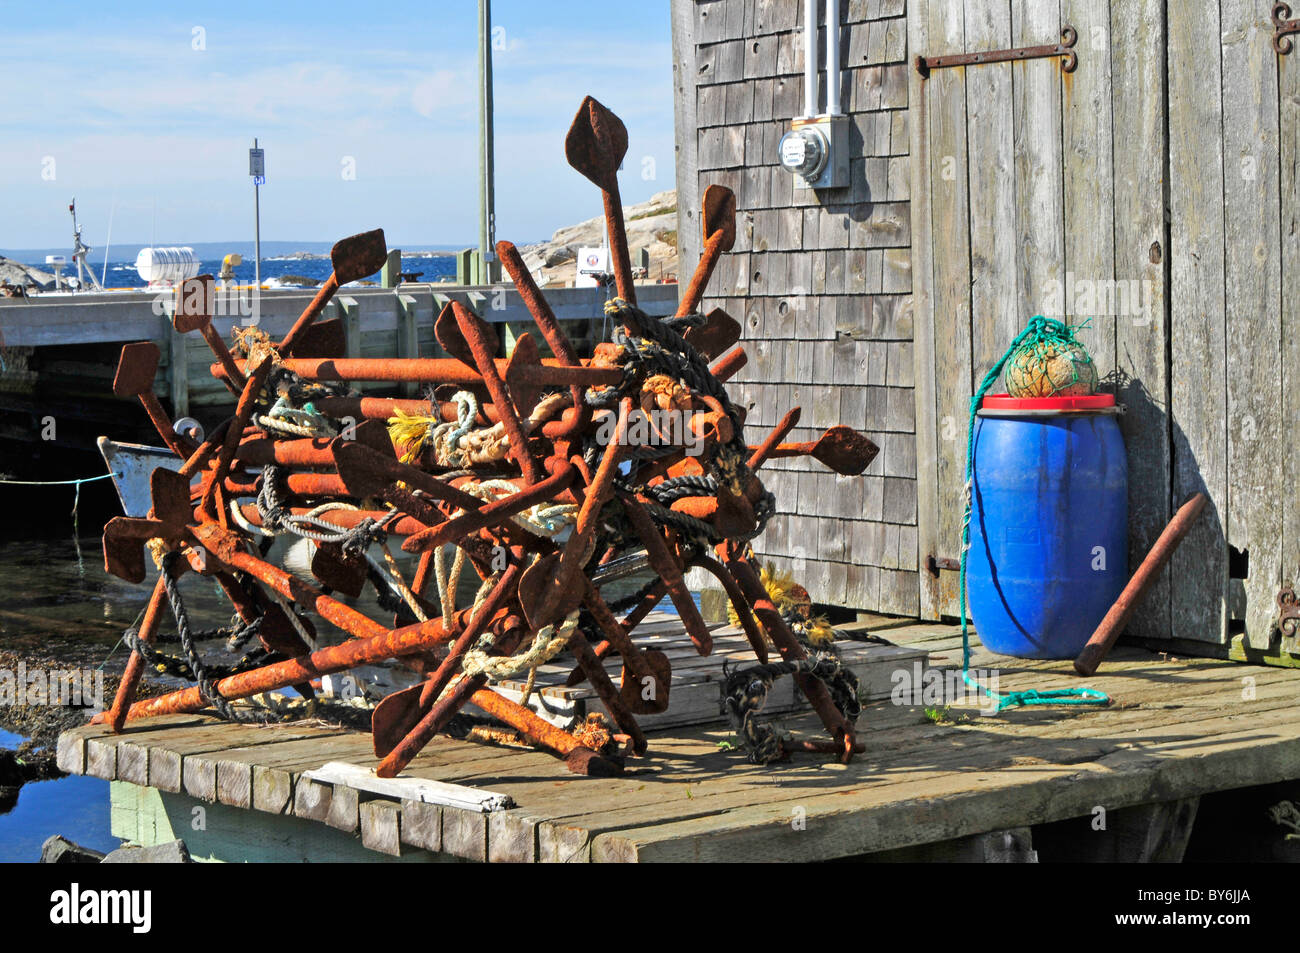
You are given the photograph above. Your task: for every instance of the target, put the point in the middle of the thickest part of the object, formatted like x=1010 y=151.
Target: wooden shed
x=1131 y=162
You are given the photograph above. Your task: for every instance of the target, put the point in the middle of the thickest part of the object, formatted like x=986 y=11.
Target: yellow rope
x=453 y=446
x=787 y=595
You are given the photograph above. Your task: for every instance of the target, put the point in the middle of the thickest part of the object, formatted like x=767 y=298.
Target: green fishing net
x=1051 y=362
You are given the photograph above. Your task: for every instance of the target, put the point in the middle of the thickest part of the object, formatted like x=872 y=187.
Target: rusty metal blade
x=720 y=215
x=323 y=339
x=447 y=333
x=194 y=299
x=136 y=369
x=524 y=393
x=718 y=332
x=170 y=493
x=360 y=255
x=393 y=717
x=596 y=144
x=124 y=539
x=844 y=450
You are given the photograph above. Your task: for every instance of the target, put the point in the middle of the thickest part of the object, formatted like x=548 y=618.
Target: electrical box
x=816 y=151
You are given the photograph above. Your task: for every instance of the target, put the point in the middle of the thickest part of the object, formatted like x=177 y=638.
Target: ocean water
x=123 y=274
x=75 y=806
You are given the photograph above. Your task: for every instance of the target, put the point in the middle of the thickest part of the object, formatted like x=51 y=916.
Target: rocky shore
x=651 y=225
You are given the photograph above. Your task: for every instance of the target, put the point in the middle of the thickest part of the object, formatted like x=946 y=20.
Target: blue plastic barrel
x=1049 y=521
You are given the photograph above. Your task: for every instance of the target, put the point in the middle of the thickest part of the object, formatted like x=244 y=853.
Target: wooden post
x=350 y=312
x=178 y=373
x=489 y=268
x=466 y=270
x=408 y=345
x=390 y=276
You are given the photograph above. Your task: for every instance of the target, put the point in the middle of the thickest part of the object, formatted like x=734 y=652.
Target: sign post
x=257 y=169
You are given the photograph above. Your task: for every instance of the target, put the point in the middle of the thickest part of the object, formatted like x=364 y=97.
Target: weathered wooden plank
x=132 y=763
x=381 y=826
x=1289 y=146
x=70 y=753
x=1137 y=41
x=512 y=837
x=950 y=229
x=311 y=799
x=685 y=77
x=1254 y=305
x=464 y=833
x=101 y=757
x=994 y=321
x=1086 y=142
x=923 y=316
x=1198 y=405
x=1036 y=113
x=421 y=825
x=344 y=811
x=957 y=803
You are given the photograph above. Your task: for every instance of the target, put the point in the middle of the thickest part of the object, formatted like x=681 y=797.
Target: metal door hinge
x=1288 y=611
x=1281 y=27
x=1064 y=49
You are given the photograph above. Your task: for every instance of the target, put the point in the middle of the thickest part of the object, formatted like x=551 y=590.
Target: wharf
x=962 y=786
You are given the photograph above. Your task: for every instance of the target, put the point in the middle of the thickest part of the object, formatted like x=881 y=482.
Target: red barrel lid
x=1059 y=404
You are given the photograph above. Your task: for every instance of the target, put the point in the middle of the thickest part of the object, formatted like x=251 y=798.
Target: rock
x=59 y=850
x=558 y=256
x=648 y=224
x=11 y=769
x=173 y=852
x=16 y=273
x=8 y=797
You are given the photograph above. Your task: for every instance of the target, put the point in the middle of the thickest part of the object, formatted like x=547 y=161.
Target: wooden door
x=1161 y=172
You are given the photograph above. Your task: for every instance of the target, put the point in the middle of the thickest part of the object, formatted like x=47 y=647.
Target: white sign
x=257 y=163
x=591 y=262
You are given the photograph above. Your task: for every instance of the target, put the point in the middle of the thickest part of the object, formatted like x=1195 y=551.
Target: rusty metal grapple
x=548 y=477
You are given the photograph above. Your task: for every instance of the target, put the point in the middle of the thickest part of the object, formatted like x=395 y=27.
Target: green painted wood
x=219 y=833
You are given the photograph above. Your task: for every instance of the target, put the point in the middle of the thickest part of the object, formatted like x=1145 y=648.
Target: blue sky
x=145 y=111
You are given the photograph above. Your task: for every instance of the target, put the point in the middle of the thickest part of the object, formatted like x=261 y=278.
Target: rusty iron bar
x=386 y=644
x=473 y=329
x=243 y=413
x=1064 y=49
x=670 y=571
x=135 y=664
x=425 y=723
x=352 y=259
x=719 y=225
x=136 y=368
x=788 y=647
x=443 y=370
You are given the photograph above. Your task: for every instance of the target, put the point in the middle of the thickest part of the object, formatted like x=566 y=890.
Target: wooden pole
x=491 y=270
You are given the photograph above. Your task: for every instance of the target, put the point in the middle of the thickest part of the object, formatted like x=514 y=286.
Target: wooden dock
x=60 y=353
x=925 y=786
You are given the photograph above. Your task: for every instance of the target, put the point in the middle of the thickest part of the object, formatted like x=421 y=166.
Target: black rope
x=745 y=692
x=200 y=673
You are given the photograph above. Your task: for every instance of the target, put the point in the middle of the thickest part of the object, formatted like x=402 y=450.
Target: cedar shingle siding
x=821 y=280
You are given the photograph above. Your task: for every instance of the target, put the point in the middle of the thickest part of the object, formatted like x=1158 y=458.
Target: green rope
x=1039 y=331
